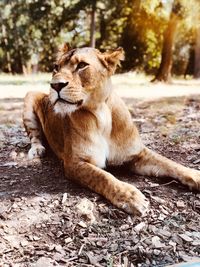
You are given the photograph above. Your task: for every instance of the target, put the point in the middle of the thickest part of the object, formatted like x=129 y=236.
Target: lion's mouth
x=78 y=103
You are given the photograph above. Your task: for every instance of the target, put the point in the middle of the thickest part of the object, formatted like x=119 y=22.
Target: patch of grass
x=6 y=79
x=2 y=108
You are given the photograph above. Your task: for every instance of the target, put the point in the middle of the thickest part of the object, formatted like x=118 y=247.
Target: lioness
x=89 y=127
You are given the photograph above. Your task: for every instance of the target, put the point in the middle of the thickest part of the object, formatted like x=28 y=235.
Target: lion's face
x=80 y=78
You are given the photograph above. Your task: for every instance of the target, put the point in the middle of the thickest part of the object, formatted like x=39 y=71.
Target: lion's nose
x=58 y=86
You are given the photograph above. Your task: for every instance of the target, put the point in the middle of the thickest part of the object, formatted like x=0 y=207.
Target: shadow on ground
x=40 y=214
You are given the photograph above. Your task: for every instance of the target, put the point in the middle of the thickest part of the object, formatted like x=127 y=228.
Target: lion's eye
x=81 y=65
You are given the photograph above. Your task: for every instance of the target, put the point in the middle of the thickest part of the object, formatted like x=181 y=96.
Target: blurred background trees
x=160 y=37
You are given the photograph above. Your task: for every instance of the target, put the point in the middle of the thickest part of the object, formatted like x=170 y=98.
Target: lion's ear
x=112 y=59
x=64 y=48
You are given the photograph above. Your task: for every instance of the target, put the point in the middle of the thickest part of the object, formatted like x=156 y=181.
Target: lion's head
x=81 y=78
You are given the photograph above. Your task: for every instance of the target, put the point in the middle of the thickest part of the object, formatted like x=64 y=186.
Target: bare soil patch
x=45 y=220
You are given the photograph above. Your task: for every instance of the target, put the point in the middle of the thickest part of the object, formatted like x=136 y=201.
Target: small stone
x=51 y=247
x=196 y=243
x=18 y=199
x=156 y=242
x=24 y=243
x=156 y=252
x=180 y=204
x=139 y=227
x=30 y=249
x=163 y=232
x=113 y=247
x=99 y=244
x=85 y=208
x=186 y=237
x=154 y=185
x=36 y=238
x=57 y=256
x=68 y=240
x=30 y=237
x=56 y=203
x=59 y=234
x=196 y=161
x=64 y=198
x=40 y=252
x=14 y=206
x=38 y=226
x=58 y=248
x=162 y=217
x=194 y=234
x=124 y=227
x=13 y=155
x=82 y=224
x=158 y=199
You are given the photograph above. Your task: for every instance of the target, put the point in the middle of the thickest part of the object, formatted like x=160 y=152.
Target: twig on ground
x=171 y=182
x=81 y=249
x=72 y=259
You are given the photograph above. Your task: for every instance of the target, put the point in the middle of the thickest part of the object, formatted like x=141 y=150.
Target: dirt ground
x=45 y=220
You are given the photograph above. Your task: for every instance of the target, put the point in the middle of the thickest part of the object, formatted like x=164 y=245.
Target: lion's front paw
x=131 y=200
x=36 y=151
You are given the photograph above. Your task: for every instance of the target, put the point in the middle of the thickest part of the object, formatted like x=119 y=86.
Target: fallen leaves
x=45 y=220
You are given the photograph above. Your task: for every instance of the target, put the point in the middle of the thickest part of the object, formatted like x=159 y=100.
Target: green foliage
x=31 y=30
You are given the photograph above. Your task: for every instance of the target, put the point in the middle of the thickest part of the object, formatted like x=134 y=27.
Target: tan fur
x=95 y=129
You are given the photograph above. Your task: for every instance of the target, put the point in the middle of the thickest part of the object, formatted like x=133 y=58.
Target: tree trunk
x=197 y=55
x=102 y=29
x=8 y=59
x=164 y=71
x=92 y=25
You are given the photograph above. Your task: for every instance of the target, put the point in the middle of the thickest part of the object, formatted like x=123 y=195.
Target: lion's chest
x=97 y=149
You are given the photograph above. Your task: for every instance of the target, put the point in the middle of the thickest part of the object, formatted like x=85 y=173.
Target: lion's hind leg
x=32 y=119
x=152 y=164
